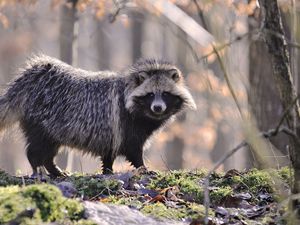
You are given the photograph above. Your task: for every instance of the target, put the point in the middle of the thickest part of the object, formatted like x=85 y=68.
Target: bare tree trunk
x=68 y=32
x=137 y=35
x=263 y=95
x=103 y=47
x=276 y=43
x=175 y=147
x=68 y=54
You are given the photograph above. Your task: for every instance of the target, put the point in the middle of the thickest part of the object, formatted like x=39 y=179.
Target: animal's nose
x=157 y=108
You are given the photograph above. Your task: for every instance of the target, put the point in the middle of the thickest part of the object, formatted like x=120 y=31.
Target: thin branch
x=228 y=81
x=227 y=155
x=293 y=44
x=227 y=44
x=119 y=5
x=286 y=112
x=267 y=134
x=200 y=14
x=241 y=37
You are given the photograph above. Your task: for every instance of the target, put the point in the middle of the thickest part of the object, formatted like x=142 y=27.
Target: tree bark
x=175 y=147
x=68 y=34
x=277 y=47
x=263 y=96
x=137 y=35
x=103 y=47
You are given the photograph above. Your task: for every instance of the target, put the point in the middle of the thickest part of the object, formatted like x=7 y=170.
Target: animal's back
x=72 y=106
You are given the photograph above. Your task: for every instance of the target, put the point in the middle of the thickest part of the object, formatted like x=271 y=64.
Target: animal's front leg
x=107 y=165
x=136 y=158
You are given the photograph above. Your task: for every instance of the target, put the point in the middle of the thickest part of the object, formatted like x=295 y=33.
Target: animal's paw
x=143 y=170
x=39 y=176
x=62 y=174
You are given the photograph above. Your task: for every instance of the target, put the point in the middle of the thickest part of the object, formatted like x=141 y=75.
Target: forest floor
x=250 y=197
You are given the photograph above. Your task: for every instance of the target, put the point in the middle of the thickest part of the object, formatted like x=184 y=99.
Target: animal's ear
x=141 y=77
x=174 y=74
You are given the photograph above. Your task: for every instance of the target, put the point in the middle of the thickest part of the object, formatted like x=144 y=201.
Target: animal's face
x=158 y=101
x=157 y=91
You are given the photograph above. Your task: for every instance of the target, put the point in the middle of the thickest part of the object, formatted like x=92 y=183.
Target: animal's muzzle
x=158 y=105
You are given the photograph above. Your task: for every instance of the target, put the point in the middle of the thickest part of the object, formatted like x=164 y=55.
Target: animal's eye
x=151 y=95
x=165 y=94
x=174 y=75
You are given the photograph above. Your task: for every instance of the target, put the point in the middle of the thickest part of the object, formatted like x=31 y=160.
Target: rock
x=106 y=214
x=67 y=188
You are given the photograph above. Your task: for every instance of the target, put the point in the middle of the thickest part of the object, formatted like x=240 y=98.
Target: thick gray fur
x=57 y=104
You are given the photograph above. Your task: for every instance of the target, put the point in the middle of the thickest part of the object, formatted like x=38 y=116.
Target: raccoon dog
x=102 y=113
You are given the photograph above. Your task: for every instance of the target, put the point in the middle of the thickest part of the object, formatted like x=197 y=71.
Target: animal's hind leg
x=35 y=158
x=53 y=169
x=49 y=164
x=41 y=150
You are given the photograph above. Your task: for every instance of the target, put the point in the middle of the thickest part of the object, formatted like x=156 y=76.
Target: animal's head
x=156 y=89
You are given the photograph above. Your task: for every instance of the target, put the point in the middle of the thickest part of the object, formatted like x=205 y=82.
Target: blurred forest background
x=111 y=35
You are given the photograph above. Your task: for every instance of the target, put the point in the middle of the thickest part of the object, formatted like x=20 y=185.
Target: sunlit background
x=111 y=35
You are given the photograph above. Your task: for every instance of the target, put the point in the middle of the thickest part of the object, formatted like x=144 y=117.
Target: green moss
x=133 y=202
x=49 y=205
x=6 y=179
x=44 y=201
x=256 y=179
x=217 y=195
x=252 y=181
x=197 y=211
x=91 y=186
x=286 y=174
x=161 y=211
x=236 y=179
x=84 y=222
x=188 y=183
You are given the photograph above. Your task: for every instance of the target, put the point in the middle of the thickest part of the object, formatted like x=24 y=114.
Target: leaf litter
x=248 y=197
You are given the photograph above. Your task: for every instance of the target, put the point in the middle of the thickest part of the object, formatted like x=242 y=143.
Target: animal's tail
x=12 y=101
x=9 y=114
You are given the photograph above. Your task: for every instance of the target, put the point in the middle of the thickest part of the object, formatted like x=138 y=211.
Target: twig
x=200 y=14
x=228 y=81
x=215 y=51
x=267 y=134
x=23 y=182
x=206 y=199
x=221 y=47
x=286 y=112
x=120 y=5
x=225 y=157
x=293 y=44
x=206 y=180
x=291 y=133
